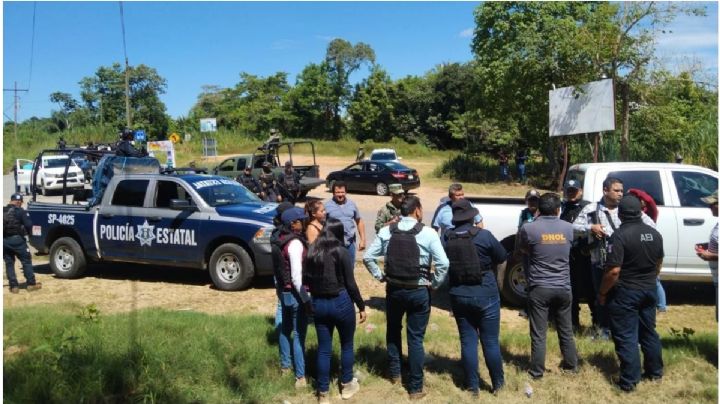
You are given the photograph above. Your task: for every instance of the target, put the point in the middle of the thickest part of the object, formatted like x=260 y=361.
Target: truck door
x=24 y=170
x=694 y=219
x=121 y=232
x=177 y=233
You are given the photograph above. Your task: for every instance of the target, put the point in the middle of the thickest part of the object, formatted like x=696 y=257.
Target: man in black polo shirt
x=628 y=289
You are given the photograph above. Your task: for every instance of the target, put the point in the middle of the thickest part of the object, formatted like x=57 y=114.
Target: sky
x=192 y=44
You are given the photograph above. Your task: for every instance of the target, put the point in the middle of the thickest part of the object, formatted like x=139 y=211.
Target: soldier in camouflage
x=390 y=213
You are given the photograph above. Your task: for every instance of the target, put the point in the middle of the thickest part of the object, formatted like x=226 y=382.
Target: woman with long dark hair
x=315 y=210
x=329 y=275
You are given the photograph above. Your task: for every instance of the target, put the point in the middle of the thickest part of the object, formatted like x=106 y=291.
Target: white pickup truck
x=683 y=219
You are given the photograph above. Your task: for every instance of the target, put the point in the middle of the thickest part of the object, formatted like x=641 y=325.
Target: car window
x=241 y=164
x=130 y=193
x=395 y=166
x=222 y=191
x=227 y=165
x=383 y=156
x=373 y=167
x=692 y=186
x=259 y=162
x=646 y=180
x=56 y=162
x=167 y=190
x=354 y=167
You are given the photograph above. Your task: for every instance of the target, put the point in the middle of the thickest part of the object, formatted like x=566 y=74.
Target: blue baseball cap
x=292 y=215
x=16 y=197
x=572 y=184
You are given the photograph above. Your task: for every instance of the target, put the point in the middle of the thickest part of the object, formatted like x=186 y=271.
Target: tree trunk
x=625 y=139
x=563 y=170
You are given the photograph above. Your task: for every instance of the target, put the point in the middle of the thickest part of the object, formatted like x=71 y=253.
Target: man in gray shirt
x=547 y=241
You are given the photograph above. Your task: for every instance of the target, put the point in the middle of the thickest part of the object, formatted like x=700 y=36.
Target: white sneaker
x=323 y=397
x=300 y=383
x=349 y=389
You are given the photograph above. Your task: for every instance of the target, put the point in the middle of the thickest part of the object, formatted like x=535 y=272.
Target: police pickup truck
x=683 y=219
x=196 y=221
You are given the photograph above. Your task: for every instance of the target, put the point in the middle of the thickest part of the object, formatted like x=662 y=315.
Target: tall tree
x=104 y=95
x=343 y=58
x=312 y=103
x=371 y=111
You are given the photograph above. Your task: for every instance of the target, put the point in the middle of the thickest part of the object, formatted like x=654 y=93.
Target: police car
x=197 y=221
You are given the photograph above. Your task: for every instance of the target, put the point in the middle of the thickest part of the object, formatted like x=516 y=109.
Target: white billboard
x=208 y=125
x=587 y=108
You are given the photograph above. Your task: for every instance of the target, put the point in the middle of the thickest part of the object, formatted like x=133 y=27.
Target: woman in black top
x=329 y=275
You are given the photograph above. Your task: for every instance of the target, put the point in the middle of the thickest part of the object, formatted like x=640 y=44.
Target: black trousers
x=541 y=303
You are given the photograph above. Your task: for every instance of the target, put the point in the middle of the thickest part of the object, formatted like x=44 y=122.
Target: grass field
x=68 y=353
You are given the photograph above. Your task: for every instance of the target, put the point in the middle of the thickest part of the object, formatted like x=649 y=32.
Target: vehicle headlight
x=262 y=236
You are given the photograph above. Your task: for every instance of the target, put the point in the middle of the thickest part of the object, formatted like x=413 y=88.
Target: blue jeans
x=294 y=319
x=503 y=172
x=661 y=299
x=16 y=246
x=330 y=313
x=283 y=341
x=479 y=316
x=352 y=248
x=416 y=304
x=632 y=321
x=521 y=172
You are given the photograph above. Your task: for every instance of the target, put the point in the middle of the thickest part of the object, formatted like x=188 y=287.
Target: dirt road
x=121 y=288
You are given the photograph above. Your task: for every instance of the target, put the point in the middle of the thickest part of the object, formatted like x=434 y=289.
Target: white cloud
x=466 y=33
x=686 y=41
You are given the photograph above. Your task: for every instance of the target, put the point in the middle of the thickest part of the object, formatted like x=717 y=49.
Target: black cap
x=16 y=197
x=463 y=211
x=630 y=207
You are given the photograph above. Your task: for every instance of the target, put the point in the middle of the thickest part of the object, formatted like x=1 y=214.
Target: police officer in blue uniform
x=16 y=225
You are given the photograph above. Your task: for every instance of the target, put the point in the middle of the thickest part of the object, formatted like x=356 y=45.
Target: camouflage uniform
x=384 y=215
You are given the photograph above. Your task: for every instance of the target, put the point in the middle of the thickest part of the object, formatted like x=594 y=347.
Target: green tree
x=371 y=111
x=412 y=97
x=341 y=59
x=312 y=103
x=103 y=94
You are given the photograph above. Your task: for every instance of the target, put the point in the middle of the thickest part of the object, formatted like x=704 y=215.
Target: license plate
x=411 y=177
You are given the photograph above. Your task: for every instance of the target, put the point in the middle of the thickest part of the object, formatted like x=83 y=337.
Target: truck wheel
x=67 y=259
x=513 y=291
x=231 y=267
x=381 y=188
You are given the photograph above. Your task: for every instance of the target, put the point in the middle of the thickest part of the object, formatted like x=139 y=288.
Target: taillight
x=399 y=175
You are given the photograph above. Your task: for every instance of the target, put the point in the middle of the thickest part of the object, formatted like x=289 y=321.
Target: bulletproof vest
x=325 y=279
x=465 y=266
x=402 y=260
x=267 y=179
x=571 y=213
x=283 y=241
x=12 y=225
x=290 y=182
x=248 y=182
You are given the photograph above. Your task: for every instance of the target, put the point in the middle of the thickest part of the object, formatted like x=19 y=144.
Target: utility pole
x=127 y=94
x=15 y=102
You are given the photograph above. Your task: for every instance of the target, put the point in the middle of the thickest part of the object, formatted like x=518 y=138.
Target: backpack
x=402 y=260
x=281 y=245
x=465 y=266
x=12 y=226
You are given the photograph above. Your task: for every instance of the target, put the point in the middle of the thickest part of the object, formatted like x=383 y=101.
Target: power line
x=32 y=44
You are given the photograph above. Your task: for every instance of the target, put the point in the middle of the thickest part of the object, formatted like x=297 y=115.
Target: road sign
x=174 y=137
x=140 y=135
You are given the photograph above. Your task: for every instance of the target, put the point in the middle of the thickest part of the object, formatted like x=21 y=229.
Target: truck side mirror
x=181 y=204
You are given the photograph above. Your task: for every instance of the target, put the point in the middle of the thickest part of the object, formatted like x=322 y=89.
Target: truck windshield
x=57 y=162
x=222 y=191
